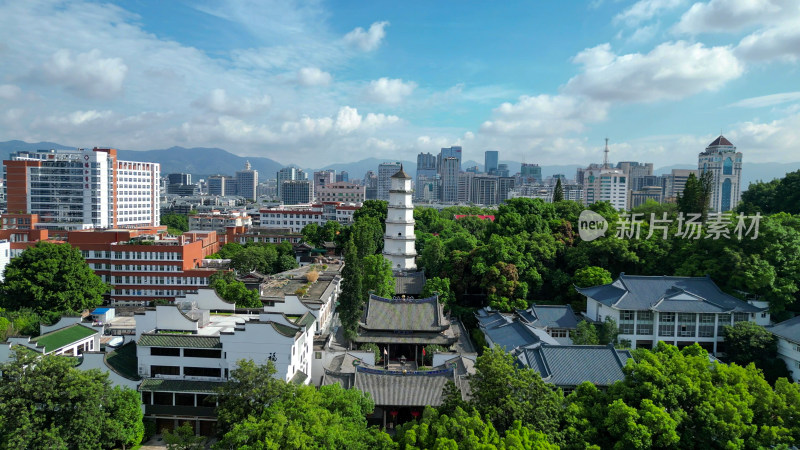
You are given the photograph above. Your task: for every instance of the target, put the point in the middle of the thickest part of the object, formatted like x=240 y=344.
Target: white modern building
x=83 y=189
x=676 y=310
x=606 y=185
x=295 y=217
x=219 y=220
x=385 y=172
x=247 y=182
x=725 y=163
x=398 y=242
x=341 y=191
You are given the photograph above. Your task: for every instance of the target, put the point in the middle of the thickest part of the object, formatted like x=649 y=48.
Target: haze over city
x=333 y=82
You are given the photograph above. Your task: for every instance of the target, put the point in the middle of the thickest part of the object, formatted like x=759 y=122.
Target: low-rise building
x=788 y=334
x=341 y=191
x=567 y=366
x=296 y=217
x=676 y=310
x=218 y=220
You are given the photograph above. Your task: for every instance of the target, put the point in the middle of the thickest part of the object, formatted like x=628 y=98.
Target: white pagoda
x=398 y=242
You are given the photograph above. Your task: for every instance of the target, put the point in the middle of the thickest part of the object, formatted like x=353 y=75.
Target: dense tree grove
x=532 y=252
x=46 y=403
x=51 y=278
x=176 y=223
x=779 y=195
x=263 y=257
x=234 y=291
x=746 y=342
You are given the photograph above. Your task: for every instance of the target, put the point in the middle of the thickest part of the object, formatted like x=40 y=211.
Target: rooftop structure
x=567 y=366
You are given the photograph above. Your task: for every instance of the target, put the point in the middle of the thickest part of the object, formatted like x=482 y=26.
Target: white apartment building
x=83 y=189
x=676 y=310
x=219 y=221
x=295 y=217
x=606 y=185
x=341 y=191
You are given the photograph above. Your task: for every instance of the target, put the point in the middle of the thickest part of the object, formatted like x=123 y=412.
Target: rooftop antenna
x=605 y=156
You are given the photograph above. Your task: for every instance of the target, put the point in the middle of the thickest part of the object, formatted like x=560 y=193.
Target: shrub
x=312 y=276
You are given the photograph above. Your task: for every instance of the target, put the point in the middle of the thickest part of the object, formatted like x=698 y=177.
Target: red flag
x=423 y=351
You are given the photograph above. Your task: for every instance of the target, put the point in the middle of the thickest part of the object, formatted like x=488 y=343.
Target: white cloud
x=644 y=10
x=220 y=102
x=544 y=115
x=672 y=70
x=385 y=90
x=368 y=40
x=733 y=15
x=348 y=120
x=312 y=76
x=86 y=73
x=9 y=91
x=768 y=100
x=644 y=34
x=781 y=42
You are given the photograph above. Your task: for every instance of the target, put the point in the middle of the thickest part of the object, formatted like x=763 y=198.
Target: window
x=644 y=322
x=706 y=325
x=626 y=322
x=201 y=353
x=164 y=370
x=686 y=324
x=741 y=317
x=162 y=351
x=666 y=326
x=202 y=372
x=722 y=321
x=558 y=333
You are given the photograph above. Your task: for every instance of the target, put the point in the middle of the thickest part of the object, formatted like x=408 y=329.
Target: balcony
x=400 y=238
x=393 y=253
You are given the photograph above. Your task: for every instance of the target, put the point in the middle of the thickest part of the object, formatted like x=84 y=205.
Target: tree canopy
x=779 y=195
x=232 y=290
x=51 y=278
x=46 y=403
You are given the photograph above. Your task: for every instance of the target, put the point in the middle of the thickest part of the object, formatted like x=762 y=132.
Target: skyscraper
x=288 y=174
x=342 y=176
x=449 y=152
x=247 y=182
x=725 y=163
x=385 y=172
x=531 y=173
x=180 y=178
x=323 y=178
x=449 y=179
x=297 y=192
x=83 y=189
x=490 y=162
x=426 y=174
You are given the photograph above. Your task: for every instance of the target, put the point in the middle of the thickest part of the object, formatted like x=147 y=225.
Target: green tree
x=432 y=256
x=351 y=299
x=183 y=438
x=368 y=236
x=234 y=291
x=558 y=192
x=591 y=276
x=441 y=287
x=608 y=331
x=176 y=223
x=779 y=195
x=51 y=277
x=46 y=403
x=372 y=208
x=312 y=233
x=378 y=276
x=747 y=342
x=250 y=391
x=586 y=334
x=503 y=393
x=260 y=258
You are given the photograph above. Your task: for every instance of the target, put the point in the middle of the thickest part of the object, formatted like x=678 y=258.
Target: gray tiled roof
x=415 y=338
x=179 y=340
x=788 y=329
x=345 y=380
x=550 y=316
x=404 y=314
x=403 y=390
x=508 y=333
x=668 y=294
x=409 y=283
x=571 y=365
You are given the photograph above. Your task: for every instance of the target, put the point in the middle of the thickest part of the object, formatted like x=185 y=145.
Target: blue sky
x=313 y=83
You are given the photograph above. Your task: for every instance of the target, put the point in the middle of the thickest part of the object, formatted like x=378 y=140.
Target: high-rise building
x=464 y=187
x=180 y=178
x=637 y=173
x=426 y=173
x=484 y=190
x=83 y=189
x=247 y=182
x=288 y=174
x=504 y=187
x=725 y=164
x=385 y=172
x=449 y=179
x=490 y=161
x=449 y=152
x=531 y=173
x=398 y=242
x=371 y=185
x=341 y=191
x=216 y=185
x=606 y=185
x=342 y=176
x=323 y=178
x=296 y=192
x=502 y=170
x=674 y=182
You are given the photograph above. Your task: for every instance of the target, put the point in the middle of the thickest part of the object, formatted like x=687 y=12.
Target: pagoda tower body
x=398 y=242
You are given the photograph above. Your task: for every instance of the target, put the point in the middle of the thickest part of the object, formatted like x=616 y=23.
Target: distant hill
x=359 y=168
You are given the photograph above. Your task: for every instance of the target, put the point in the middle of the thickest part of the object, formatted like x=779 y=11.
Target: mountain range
x=202 y=161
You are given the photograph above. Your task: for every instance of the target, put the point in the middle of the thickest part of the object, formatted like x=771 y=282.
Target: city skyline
x=330 y=82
